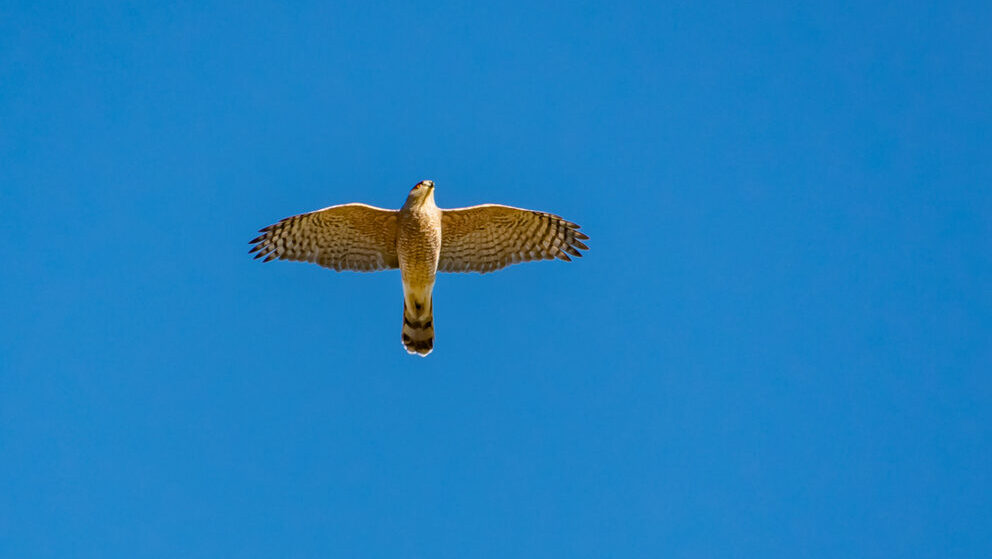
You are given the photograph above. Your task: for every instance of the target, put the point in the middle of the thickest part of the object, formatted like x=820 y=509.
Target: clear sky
x=779 y=344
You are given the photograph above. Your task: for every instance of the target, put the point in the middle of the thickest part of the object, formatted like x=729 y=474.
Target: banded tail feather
x=418 y=325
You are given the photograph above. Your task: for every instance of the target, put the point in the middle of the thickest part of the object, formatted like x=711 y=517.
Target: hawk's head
x=422 y=192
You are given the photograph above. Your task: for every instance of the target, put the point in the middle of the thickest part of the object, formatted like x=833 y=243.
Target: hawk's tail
x=418 y=324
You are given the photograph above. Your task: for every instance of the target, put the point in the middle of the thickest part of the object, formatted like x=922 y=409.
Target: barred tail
x=418 y=324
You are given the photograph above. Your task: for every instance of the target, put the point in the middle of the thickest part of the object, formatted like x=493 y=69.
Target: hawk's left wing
x=346 y=237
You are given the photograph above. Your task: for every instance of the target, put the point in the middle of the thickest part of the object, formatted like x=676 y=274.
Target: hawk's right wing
x=489 y=237
x=346 y=237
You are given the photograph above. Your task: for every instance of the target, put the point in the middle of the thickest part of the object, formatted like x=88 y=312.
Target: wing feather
x=355 y=237
x=489 y=237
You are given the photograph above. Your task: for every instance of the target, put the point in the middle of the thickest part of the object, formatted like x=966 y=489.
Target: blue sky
x=779 y=344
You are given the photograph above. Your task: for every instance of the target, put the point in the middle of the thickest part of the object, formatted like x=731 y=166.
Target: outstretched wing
x=346 y=237
x=489 y=237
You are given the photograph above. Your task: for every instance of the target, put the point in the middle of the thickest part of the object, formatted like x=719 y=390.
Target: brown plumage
x=420 y=239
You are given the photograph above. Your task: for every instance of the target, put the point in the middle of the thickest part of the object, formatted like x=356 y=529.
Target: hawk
x=421 y=240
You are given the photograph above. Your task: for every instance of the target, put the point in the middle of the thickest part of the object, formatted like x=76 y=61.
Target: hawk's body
x=418 y=245
x=420 y=239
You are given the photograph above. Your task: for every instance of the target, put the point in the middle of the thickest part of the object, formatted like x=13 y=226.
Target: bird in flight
x=420 y=239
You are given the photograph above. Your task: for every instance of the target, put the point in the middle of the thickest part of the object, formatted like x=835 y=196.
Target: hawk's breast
x=419 y=245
